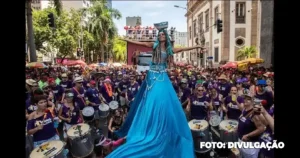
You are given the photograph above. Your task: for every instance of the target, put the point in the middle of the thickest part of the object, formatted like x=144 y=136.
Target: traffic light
x=78 y=52
x=51 y=20
x=219 y=26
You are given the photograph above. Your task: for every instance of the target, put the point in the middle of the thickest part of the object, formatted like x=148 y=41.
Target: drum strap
x=80 y=98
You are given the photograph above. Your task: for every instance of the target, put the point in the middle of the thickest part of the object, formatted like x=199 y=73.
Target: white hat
x=78 y=79
x=31 y=82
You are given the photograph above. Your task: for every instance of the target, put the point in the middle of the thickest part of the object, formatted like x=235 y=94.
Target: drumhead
x=74 y=132
x=228 y=125
x=103 y=107
x=113 y=105
x=215 y=120
x=48 y=149
x=198 y=125
x=88 y=111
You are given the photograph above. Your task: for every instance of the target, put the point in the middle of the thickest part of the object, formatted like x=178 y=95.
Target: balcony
x=192 y=4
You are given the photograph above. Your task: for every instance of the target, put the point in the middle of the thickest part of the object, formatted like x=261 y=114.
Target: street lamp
x=176 y=6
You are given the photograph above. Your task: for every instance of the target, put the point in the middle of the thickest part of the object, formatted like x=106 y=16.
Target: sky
x=152 y=12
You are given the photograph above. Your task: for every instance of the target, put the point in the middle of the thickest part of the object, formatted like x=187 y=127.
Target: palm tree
x=119 y=50
x=247 y=52
x=101 y=24
x=58 y=6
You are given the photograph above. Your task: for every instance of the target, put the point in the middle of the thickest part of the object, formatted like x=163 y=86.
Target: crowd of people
x=57 y=97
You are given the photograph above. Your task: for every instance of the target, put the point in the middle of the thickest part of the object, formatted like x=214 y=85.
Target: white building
x=241 y=27
x=67 y=5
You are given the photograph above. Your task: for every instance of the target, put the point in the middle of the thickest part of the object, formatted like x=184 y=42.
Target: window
x=182 y=55
x=216 y=54
x=200 y=17
x=190 y=29
x=216 y=15
x=195 y=28
x=240 y=42
x=240 y=12
x=207 y=20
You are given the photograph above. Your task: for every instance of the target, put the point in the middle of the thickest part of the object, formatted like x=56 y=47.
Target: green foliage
x=42 y=32
x=119 y=49
x=247 y=52
x=97 y=33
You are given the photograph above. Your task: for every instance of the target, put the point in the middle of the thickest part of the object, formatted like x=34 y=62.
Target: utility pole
x=176 y=6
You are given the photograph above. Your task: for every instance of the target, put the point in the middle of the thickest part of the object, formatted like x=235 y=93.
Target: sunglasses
x=79 y=82
x=200 y=90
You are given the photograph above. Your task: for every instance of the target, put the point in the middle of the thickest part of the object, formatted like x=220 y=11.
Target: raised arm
x=146 y=44
x=177 y=50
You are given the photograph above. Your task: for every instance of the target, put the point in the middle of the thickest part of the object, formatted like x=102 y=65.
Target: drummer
x=133 y=88
x=106 y=92
x=31 y=86
x=224 y=85
x=41 y=122
x=215 y=100
x=65 y=83
x=250 y=128
x=199 y=105
x=78 y=92
x=233 y=105
x=93 y=97
x=69 y=113
x=115 y=123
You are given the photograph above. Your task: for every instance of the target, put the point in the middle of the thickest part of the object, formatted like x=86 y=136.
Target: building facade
x=133 y=21
x=241 y=27
x=67 y=5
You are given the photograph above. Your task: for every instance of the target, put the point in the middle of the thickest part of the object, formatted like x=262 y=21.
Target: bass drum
x=49 y=149
x=81 y=141
x=228 y=130
x=200 y=132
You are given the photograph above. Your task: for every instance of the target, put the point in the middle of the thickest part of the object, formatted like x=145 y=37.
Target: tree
x=67 y=33
x=31 y=42
x=247 y=52
x=101 y=25
x=42 y=31
x=119 y=49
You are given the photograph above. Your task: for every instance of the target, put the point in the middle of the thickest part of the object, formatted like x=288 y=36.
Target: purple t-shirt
x=48 y=130
x=29 y=107
x=198 y=107
x=132 y=90
x=74 y=115
x=233 y=110
x=58 y=92
x=224 y=89
x=66 y=84
x=93 y=96
x=80 y=101
x=266 y=137
x=246 y=126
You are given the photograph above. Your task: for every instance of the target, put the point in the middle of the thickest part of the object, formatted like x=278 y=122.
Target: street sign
x=210 y=57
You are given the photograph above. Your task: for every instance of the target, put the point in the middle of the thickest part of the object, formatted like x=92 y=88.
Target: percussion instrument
x=88 y=113
x=103 y=110
x=80 y=139
x=200 y=132
x=122 y=101
x=113 y=105
x=51 y=149
x=228 y=130
x=215 y=120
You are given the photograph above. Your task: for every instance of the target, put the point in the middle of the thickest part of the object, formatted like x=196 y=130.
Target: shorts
x=249 y=153
x=38 y=143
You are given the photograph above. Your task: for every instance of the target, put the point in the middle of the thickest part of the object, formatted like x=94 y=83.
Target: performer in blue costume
x=156 y=126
